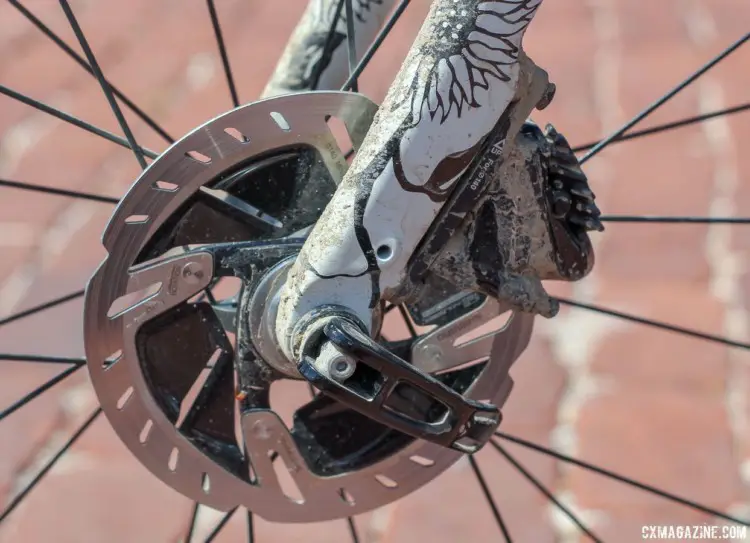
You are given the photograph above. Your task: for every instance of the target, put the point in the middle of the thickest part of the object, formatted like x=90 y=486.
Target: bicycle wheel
x=581 y=390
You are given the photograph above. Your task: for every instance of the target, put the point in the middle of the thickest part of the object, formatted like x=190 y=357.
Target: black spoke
x=43 y=359
x=41 y=106
x=39 y=391
x=351 y=45
x=191 y=523
x=407 y=320
x=59 y=192
x=79 y=59
x=544 y=490
x=328 y=46
x=103 y=83
x=352 y=530
x=223 y=52
x=42 y=307
x=663 y=100
x=210 y=296
x=382 y=35
x=655 y=324
x=621 y=478
x=50 y=464
x=390 y=308
x=490 y=499
x=668 y=126
x=220 y=526
x=250 y=528
x=675 y=220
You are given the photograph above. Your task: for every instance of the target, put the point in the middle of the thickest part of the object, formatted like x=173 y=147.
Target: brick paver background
x=659 y=407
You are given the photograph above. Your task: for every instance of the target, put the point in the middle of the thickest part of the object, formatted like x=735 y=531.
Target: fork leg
x=453 y=89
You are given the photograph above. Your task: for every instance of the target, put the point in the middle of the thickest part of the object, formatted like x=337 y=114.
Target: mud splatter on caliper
x=530 y=226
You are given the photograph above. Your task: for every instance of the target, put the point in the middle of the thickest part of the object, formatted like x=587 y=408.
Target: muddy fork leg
x=454 y=88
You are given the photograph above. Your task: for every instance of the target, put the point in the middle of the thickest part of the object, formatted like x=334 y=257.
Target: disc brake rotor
x=235 y=197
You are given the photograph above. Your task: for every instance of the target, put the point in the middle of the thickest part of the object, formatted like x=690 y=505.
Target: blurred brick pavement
x=662 y=408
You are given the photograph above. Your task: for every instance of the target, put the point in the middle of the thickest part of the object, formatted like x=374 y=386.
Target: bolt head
x=192 y=273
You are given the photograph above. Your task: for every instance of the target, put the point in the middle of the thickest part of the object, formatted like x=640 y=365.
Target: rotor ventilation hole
x=346 y=497
x=174 y=457
x=143 y=437
x=206 y=484
x=124 y=398
x=236 y=134
x=166 y=186
x=489 y=328
x=199 y=157
x=125 y=303
x=422 y=461
x=280 y=120
x=286 y=482
x=387 y=482
x=136 y=219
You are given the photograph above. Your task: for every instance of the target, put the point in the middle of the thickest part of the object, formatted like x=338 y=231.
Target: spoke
x=39 y=391
x=351 y=46
x=543 y=489
x=490 y=499
x=103 y=83
x=328 y=45
x=655 y=324
x=668 y=126
x=223 y=52
x=50 y=464
x=390 y=308
x=352 y=530
x=191 y=523
x=41 y=106
x=59 y=192
x=42 y=359
x=382 y=35
x=621 y=478
x=42 y=307
x=79 y=59
x=407 y=320
x=220 y=526
x=250 y=528
x=663 y=100
x=676 y=220
x=210 y=296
